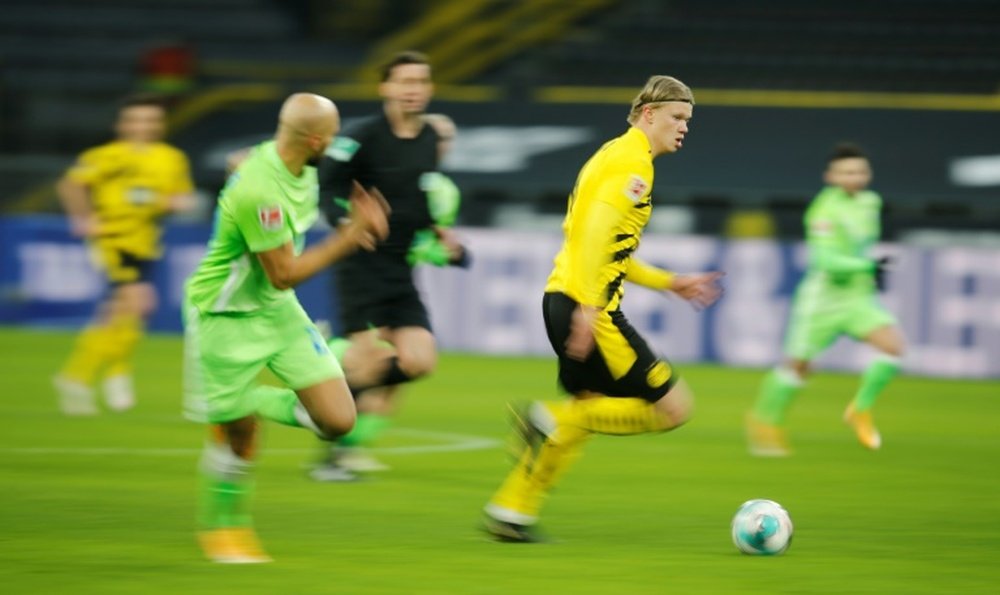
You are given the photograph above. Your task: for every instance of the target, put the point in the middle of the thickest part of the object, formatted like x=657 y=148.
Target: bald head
x=309 y=114
x=306 y=125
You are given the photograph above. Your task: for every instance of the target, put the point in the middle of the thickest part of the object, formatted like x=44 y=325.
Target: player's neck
x=403 y=125
x=138 y=145
x=293 y=158
x=654 y=148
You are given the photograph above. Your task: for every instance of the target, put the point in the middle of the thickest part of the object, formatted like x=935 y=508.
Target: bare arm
x=75 y=199
x=182 y=203
x=367 y=225
x=700 y=289
x=286 y=270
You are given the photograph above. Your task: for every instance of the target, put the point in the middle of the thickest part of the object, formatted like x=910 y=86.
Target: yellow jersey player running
x=618 y=384
x=115 y=196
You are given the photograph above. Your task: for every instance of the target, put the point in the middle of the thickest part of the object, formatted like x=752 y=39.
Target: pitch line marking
x=452 y=443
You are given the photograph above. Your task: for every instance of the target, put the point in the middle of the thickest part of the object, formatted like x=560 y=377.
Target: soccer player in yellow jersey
x=115 y=196
x=618 y=385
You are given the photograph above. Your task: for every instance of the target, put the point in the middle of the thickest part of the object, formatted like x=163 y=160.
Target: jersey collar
x=270 y=149
x=639 y=138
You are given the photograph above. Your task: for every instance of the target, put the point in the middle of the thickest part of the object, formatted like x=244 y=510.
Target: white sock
x=119 y=393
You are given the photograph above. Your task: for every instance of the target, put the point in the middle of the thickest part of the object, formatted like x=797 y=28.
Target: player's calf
x=225 y=528
x=531 y=424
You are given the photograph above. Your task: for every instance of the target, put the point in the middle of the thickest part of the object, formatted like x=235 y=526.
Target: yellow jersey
x=608 y=209
x=130 y=189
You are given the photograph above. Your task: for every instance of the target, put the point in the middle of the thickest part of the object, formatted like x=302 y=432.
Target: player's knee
x=894 y=351
x=677 y=406
x=895 y=348
x=415 y=365
x=241 y=437
x=889 y=340
x=135 y=299
x=334 y=424
x=148 y=303
x=680 y=413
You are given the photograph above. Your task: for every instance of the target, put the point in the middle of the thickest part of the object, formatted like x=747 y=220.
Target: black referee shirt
x=372 y=154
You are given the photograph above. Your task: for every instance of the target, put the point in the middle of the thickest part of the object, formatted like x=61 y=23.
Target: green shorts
x=224 y=354
x=818 y=319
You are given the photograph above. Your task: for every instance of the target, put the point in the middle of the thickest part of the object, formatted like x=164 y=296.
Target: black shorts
x=621 y=364
x=395 y=311
x=123 y=267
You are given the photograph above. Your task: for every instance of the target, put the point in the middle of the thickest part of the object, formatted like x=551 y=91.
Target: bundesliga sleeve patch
x=271 y=218
x=636 y=188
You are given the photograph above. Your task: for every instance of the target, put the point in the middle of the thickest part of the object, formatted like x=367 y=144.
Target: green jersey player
x=837 y=296
x=241 y=315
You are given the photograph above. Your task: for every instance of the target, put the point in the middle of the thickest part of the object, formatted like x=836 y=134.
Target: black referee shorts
x=621 y=364
x=393 y=311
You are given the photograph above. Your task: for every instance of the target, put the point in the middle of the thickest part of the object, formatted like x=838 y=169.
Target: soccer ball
x=762 y=527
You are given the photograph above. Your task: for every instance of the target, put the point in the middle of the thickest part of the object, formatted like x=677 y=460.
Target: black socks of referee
x=393 y=375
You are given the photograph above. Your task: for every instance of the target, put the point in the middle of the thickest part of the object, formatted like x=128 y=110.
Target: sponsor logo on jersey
x=271 y=218
x=343 y=148
x=139 y=196
x=636 y=188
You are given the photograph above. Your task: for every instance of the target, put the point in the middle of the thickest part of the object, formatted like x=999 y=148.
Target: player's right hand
x=580 y=342
x=369 y=216
x=881 y=268
x=83 y=226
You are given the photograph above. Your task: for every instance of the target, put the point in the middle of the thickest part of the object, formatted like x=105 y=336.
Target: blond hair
x=659 y=88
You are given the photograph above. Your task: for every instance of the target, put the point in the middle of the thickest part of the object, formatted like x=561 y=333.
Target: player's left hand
x=84 y=226
x=700 y=289
x=183 y=203
x=457 y=253
x=882 y=266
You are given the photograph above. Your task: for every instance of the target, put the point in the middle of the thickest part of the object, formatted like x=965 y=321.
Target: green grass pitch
x=106 y=504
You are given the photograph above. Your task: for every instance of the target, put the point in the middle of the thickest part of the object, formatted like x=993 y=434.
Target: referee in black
x=381 y=313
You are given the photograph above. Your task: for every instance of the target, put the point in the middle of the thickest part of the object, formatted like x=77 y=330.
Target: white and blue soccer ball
x=762 y=527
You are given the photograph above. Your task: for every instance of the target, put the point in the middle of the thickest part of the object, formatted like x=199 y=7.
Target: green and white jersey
x=263 y=206
x=840 y=232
